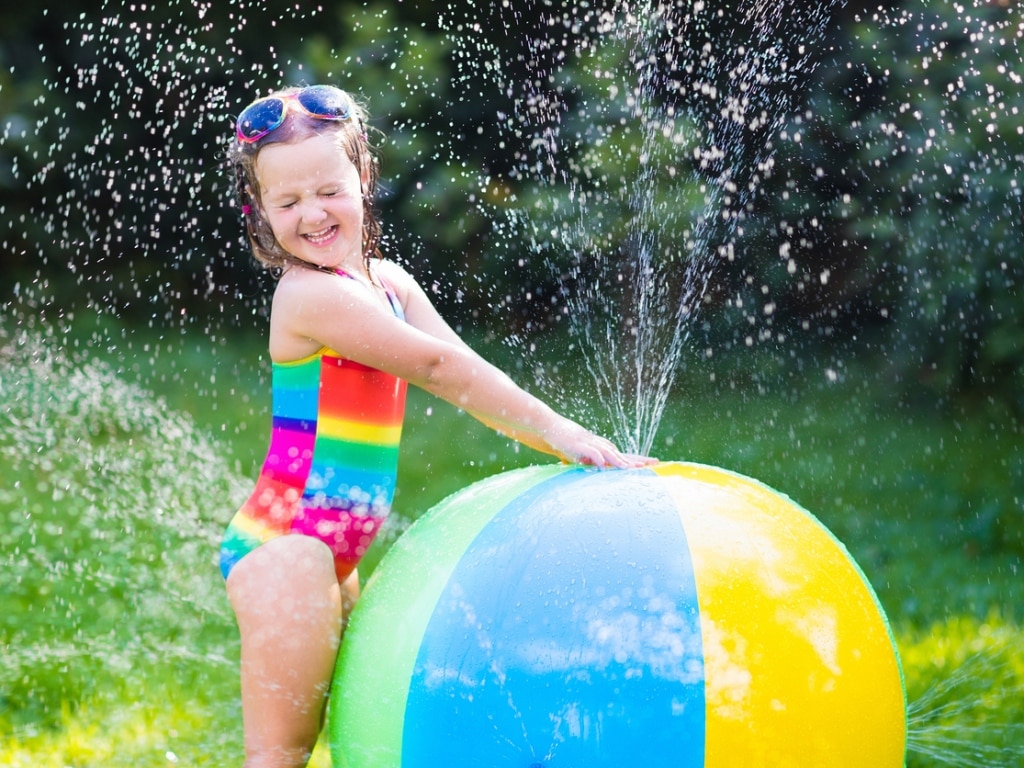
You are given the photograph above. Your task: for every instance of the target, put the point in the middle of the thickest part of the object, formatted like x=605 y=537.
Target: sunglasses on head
x=324 y=102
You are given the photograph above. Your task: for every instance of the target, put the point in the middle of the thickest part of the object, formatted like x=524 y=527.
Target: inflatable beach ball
x=558 y=617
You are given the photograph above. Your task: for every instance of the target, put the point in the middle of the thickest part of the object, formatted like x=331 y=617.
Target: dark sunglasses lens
x=260 y=117
x=324 y=101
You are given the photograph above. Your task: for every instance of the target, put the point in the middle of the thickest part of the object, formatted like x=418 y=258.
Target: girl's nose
x=313 y=212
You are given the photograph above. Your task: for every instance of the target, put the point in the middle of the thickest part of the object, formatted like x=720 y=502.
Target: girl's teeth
x=321 y=235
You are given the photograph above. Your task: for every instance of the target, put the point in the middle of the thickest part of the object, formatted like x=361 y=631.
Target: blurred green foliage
x=878 y=197
x=907 y=214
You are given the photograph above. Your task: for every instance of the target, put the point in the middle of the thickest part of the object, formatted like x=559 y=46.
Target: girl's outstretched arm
x=345 y=316
x=577 y=443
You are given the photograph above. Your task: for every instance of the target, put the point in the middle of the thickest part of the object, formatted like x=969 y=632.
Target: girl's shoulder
x=395 y=278
x=393 y=272
x=303 y=289
x=304 y=280
x=303 y=293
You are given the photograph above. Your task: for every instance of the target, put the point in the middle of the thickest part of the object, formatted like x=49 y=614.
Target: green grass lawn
x=122 y=458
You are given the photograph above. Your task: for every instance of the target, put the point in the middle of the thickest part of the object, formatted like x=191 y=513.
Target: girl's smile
x=323 y=237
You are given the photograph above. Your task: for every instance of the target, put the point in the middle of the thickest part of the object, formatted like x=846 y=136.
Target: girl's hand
x=575 y=444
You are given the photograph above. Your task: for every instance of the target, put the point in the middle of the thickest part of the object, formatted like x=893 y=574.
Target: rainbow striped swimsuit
x=333 y=459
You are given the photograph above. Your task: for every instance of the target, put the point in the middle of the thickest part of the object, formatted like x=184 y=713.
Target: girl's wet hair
x=351 y=135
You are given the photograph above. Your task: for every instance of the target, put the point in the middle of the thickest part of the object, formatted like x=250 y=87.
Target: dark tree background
x=888 y=224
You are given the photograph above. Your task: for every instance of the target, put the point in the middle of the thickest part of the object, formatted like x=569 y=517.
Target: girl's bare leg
x=290 y=610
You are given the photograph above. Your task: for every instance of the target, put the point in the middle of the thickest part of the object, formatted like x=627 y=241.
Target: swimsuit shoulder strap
x=389 y=292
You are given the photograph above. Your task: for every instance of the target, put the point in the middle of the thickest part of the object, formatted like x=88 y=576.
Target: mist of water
x=662 y=147
x=119 y=504
x=951 y=724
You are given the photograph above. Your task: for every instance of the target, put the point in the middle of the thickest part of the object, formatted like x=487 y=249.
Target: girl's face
x=312 y=199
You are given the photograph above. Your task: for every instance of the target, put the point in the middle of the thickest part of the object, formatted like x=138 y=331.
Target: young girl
x=348 y=329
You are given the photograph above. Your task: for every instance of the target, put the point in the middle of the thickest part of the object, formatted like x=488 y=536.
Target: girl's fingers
x=588 y=448
x=619 y=460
